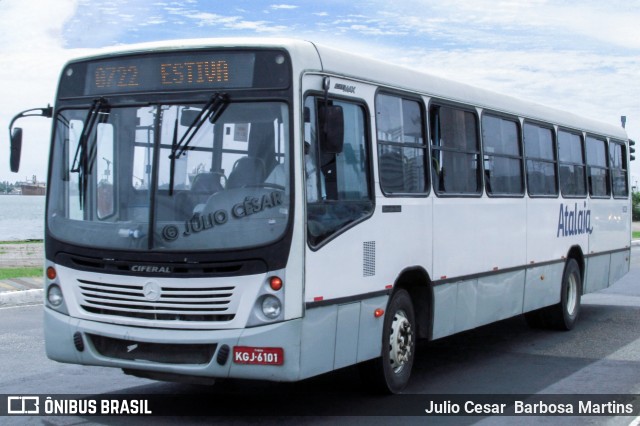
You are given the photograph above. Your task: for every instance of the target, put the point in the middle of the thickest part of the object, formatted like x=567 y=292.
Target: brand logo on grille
x=151 y=291
x=155 y=269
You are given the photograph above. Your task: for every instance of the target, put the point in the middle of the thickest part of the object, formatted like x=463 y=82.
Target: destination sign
x=198 y=70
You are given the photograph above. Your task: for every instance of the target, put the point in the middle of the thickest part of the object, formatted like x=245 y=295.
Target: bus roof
x=316 y=57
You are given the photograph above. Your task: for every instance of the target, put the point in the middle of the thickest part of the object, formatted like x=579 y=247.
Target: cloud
x=283 y=6
x=236 y=23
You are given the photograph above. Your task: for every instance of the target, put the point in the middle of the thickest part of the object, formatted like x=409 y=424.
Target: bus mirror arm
x=15 y=135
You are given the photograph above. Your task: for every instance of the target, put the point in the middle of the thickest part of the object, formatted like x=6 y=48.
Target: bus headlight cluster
x=271 y=307
x=54 y=295
x=268 y=307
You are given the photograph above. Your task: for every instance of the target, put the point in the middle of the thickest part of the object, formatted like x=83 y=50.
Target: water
x=21 y=217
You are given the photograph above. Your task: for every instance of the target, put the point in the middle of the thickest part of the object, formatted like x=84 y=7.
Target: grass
x=23 y=242
x=635 y=235
x=6 y=273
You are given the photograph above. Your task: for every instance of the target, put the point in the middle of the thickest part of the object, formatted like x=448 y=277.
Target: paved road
x=600 y=356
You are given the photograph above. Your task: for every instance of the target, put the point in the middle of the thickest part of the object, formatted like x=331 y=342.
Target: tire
x=390 y=372
x=564 y=315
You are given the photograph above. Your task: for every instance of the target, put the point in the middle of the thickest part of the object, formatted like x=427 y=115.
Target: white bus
x=278 y=209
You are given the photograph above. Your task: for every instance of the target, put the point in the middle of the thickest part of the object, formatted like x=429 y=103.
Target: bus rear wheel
x=390 y=372
x=564 y=315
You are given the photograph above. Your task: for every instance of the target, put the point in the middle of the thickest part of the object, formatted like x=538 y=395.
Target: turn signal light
x=275 y=283
x=51 y=273
x=378 y=313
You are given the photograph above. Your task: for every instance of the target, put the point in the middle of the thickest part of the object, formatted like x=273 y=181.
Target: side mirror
x=331 y=128
x=16 y=134
x=16 y=149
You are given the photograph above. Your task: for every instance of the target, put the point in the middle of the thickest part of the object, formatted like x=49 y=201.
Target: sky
x=577 y=55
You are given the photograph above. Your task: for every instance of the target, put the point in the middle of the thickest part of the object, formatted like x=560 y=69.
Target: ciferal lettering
x=153 y=269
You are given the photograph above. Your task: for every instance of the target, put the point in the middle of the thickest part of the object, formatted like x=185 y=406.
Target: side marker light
x=51 y=273
x=275 y=283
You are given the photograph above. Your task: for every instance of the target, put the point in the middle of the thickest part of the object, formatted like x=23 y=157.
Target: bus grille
x=154 y=352
x=184 y=303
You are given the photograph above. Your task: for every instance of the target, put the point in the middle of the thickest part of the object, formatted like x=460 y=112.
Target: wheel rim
x=572 y=294
x=400 y=341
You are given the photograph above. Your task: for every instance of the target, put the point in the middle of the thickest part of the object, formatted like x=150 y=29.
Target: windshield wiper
x=211 y=111
x=83 y=158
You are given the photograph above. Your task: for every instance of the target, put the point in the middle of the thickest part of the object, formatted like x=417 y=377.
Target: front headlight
x=271 y=307
x=269 y=302
x=54 y=295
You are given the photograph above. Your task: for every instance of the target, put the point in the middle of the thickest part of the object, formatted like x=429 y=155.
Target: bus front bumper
x=170 y=351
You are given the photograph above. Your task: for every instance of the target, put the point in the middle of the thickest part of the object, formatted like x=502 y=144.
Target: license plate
x=260 y=356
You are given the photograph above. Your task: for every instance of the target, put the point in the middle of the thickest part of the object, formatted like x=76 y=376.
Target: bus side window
x=455 y=151
x=502 y=156
x=618 y=156
x=572 y=165
x=401 y=145
x=597 y=168
x=337 y=184
x=541 y=162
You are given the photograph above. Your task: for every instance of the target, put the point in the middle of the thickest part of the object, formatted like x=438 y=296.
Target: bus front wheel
x=390 y=372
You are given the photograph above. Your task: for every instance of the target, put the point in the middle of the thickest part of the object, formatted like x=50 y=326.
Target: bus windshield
x=208 y=176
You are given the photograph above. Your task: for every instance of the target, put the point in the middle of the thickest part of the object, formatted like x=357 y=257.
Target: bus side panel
x=488 y=299
x=620 y=263
x=542 y=287
x=445 y=298
x=477 y=235
x=348 y=322
x=318 y=341
x=611 y=230
x=337 y=336
x=610 y=225
x=545 y=239
x=597 y=276
x=499 y=297
x=468 y=304
x=370 y=331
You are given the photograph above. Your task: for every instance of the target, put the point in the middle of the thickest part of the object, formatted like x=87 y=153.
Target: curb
x=21 y=298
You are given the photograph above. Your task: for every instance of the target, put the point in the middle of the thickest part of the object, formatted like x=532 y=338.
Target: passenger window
x=541 y=158
x=337 y=183
x=572 y=165
x=502 y=156
x=618 y=157
x=401 y=145
x=597 y=171
x=455 y=151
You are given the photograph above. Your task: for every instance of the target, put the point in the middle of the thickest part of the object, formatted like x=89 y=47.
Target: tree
x=636 y=206
x=6 y=187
